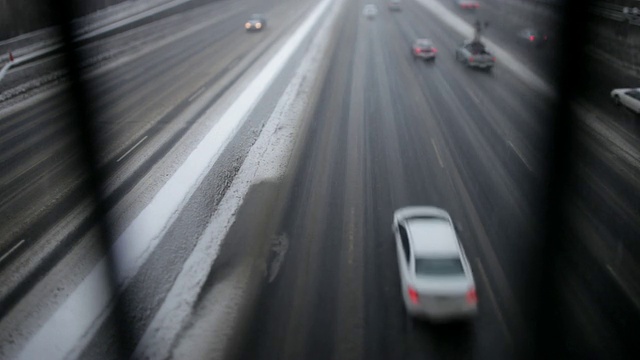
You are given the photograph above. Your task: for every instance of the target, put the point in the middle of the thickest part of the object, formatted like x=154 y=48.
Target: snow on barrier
x=85 y=309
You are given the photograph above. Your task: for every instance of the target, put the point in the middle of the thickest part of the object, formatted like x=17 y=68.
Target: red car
x=468 y=4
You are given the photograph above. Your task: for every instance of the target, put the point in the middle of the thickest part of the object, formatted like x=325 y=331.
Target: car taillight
x=545 y=37
x=470 y=58
x=493 y=59
x=472 y=297
x=413 y=295
x=531 y=37
x=434 y=50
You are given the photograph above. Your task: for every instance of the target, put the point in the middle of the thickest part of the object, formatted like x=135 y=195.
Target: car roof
x=256 y=16
x=433 y=237
x=423 y=42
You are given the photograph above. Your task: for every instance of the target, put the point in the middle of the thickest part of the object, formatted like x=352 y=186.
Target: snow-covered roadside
x=267 y=160
x=39 y=73
x=82 y=312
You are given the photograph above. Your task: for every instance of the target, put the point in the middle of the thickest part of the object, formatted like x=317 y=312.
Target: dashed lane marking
x=133 y=148
x=11 y=250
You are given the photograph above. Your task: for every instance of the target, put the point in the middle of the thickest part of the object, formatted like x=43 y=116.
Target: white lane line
x=200 y=91
x=133 y=148
x=492 y=297
x=515 y=149
x=11 y=250
x=437 y=153
x=84 y=311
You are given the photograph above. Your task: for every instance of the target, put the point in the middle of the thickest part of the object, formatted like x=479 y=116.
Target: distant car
x=370 y=11
x=423 y=49
x=474 y=54
x=256 y=22
x=394 y=5
x=627 y=97
x=533 y=37
x=436 y=278
x=468 y=4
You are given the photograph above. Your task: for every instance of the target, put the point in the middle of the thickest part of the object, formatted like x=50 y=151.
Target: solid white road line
x=11 y=250
x=84 y=310
x=435 y=147
x=133 y=148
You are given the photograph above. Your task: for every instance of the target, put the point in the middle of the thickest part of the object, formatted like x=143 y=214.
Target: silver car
x=437 y=282
x=630 y=98
x=474 y=54
x=370 y=11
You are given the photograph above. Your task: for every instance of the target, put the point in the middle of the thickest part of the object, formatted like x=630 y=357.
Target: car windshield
x=439 y=266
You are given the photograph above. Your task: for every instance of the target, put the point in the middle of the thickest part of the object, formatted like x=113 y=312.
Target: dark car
x=533 y=37
x=256 y=22
x=394 y=5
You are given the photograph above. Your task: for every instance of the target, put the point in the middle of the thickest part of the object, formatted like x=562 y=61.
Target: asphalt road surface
x=148 y=99
x=384 y=131
x=390 y=131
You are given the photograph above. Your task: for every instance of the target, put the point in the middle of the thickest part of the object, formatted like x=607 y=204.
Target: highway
x=388 y=131
x=151 y=100
x=382 y=131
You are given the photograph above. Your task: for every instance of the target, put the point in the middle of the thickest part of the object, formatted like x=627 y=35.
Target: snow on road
x=267 y=160
x=82 y=313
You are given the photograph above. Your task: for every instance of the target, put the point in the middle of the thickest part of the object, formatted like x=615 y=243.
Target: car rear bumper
x=481 y=65
x=441 y=314
x=425 y=55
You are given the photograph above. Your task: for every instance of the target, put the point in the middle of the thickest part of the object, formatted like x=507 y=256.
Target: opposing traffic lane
x=151 y=121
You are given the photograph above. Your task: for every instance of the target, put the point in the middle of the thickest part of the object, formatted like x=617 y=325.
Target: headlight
x=258 y=25
x=247 y=25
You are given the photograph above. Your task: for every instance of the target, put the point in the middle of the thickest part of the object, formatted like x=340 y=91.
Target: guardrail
x=94 y=34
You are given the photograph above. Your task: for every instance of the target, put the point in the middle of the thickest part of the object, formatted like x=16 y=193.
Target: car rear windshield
x=440 y=266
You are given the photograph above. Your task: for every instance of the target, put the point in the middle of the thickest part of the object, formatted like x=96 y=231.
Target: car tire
x=616 y=100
